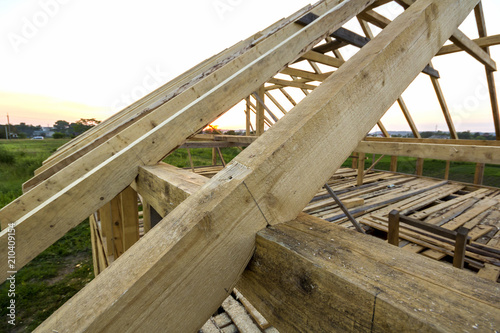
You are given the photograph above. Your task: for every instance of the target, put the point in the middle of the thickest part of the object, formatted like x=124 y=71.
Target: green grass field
x=66 y=267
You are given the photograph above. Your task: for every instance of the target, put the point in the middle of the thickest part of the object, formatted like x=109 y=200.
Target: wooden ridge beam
x=201 y=248
x=306 y=273
x=460 y=153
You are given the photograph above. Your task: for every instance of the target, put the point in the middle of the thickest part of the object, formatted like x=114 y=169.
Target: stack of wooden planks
x=442 y=203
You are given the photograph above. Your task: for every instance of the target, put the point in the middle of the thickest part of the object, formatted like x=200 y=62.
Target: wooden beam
x=202 y=246
x=259 y=120
x=460 y=39
x=306 y=273
x=444 y=108
x=304 y=74
x=130 y=217
x=483 y=143
x=164 y=186
x=323 y=59
x=408 y=117
x=481 y=42
x=460 y=153
x=51 y=208
x=129 y=115
x=481 y=26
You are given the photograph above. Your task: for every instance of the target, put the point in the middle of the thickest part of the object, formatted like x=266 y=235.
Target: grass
x=64 y=268
x=59 y=272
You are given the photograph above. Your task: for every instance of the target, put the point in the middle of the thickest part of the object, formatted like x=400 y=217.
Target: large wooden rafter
x=205 y=243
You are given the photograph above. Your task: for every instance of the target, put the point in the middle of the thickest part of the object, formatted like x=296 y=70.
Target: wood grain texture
x=311 y=276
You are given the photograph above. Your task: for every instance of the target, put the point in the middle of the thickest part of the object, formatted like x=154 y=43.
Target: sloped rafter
x=205 y=243
x=58 y=211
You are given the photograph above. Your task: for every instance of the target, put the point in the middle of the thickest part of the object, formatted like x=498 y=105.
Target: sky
x=70 y=59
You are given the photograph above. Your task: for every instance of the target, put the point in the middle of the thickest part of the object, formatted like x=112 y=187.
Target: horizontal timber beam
x=308 y=275
x=461 y=153
x=164 y=186
x=461 y=142
x=201 y=248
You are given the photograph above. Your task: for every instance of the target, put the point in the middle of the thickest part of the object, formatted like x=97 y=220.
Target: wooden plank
x=479 y=173
x=257 y=317
x=489 y=272
x=95 y=244
x=361 y=169
x=130 y=217
x=462 y=41
x=259 y=120
x=164 y=186
x=481 y=26
x=300 y=266
x=408 y=117
x=107 y=227
x=481 y=42
x=295 y=84
x=201 y=247
x=461 y=153
x=323 y=59
x=304 y=74
x=117 y=227
x=200 y=70
x=444 y=108
x=239 y=316
x=120 y=169
x=488 y=143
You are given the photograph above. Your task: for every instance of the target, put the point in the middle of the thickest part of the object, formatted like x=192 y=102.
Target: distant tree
x=58 y=135
x=426 y=134
x=22 y=135
x=464 y=135
x=61 y=126
x=81 y=126
x=230 y=132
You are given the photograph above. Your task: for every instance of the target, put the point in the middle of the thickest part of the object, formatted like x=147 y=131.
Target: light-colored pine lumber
x=452 y=152
x=130 y=217
x=164 y=186
x=461 y=40
x=306 y=273
x=239 y=316
x=489 y=272
x=481 y=42
x=120 y=169
x=205 y=243
x=481 y=143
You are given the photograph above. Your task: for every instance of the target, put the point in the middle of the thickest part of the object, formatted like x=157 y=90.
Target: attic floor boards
x=446 y=204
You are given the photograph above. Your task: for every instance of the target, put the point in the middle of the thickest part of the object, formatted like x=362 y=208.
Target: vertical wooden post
x=447 y=170
x=419 y=167
x=107 y=227
x=394 y=164
x=479 y=174
x=146 y=216
x=214 y=156
x=93 y=241
x=393 y=232
x=247 y=116
x=190 y=159
x=361 y=168
x=354 y=161
x=130 y=217
x=116 y=220
x=460 y=246
x=260 y=111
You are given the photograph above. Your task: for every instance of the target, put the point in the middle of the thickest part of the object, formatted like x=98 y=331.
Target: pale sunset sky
x=71 y=59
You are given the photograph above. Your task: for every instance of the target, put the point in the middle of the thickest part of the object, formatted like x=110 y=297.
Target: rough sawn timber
x=80 y=191
x=200 y=249
x=308 y=275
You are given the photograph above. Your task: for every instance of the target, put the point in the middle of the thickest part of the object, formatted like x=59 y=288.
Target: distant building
x=46 y=132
